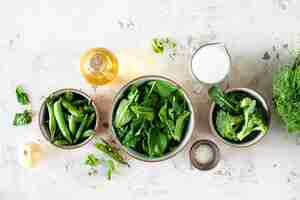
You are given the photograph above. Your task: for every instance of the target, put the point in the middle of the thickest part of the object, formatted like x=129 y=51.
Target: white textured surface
x=40 y=44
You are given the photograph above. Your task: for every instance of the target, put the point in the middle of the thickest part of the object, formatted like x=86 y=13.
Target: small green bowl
x=42 y=117
x=252 y=140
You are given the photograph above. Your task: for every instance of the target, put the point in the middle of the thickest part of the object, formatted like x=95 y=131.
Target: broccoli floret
x=255 y=123
x=253 y=120
x=227 y=124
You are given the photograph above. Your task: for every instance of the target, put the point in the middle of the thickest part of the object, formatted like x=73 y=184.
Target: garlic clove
x=30 y=155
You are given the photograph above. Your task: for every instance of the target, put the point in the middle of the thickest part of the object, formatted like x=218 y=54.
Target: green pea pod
x=60 y=119
x=52 y=122
x=112 y=152
x=88 y=133
x=88 y=108
x=79 y=102
x=60 y=142
x=72 y=124
x=69 y=96
x=81 y=109
x=72 y=109
x=80 y=130
x=90 y=120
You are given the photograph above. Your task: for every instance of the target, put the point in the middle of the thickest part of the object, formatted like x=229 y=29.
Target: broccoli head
x=256 y=122
x=227 y=124
x=253 y=121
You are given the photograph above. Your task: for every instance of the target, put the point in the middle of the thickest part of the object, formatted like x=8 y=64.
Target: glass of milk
x=210 y=64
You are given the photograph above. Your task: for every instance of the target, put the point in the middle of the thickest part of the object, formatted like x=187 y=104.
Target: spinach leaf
x=21 y=119
x=145 y=145
x=131 y=140
x=163 y=88
x=163 y=113
x=22 y=96
x=180 y=125
x=133 y=94
x=157 y=142
x=163 y=116
x=144 y=112
x=121 y=132
x=123 y=114
x=177 y=107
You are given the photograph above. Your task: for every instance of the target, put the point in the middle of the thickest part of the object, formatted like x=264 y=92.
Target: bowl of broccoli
x=238 y=116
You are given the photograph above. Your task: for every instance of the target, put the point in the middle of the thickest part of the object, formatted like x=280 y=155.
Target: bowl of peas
x=68 y=118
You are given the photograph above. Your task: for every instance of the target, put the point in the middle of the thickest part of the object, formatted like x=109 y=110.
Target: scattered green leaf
x=23 y=118
x=159 y=45
x=92 y=161
x=22 y=96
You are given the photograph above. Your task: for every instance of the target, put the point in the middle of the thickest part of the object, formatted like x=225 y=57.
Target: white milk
x=211 y=63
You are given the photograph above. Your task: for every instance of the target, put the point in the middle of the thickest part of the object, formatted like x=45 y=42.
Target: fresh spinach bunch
x=151 y=118
x=286 y=95
x=238 y=115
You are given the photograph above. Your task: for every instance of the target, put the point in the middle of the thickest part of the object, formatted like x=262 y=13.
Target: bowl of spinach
x=238 y=116
x=152 y=118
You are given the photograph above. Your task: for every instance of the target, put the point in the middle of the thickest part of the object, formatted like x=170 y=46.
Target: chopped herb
x=93 y=172
x=92 y=161
x=21 y=119
x=110 y=168
x=111 y=151
x=161 y=44
x=22 y=96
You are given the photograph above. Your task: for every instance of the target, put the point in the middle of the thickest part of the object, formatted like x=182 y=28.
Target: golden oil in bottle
x=98 y=66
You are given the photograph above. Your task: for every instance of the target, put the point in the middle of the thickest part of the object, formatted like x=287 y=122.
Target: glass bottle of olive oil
x=98 y=66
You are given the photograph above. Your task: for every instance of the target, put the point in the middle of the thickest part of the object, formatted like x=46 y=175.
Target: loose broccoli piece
x=227 y=124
